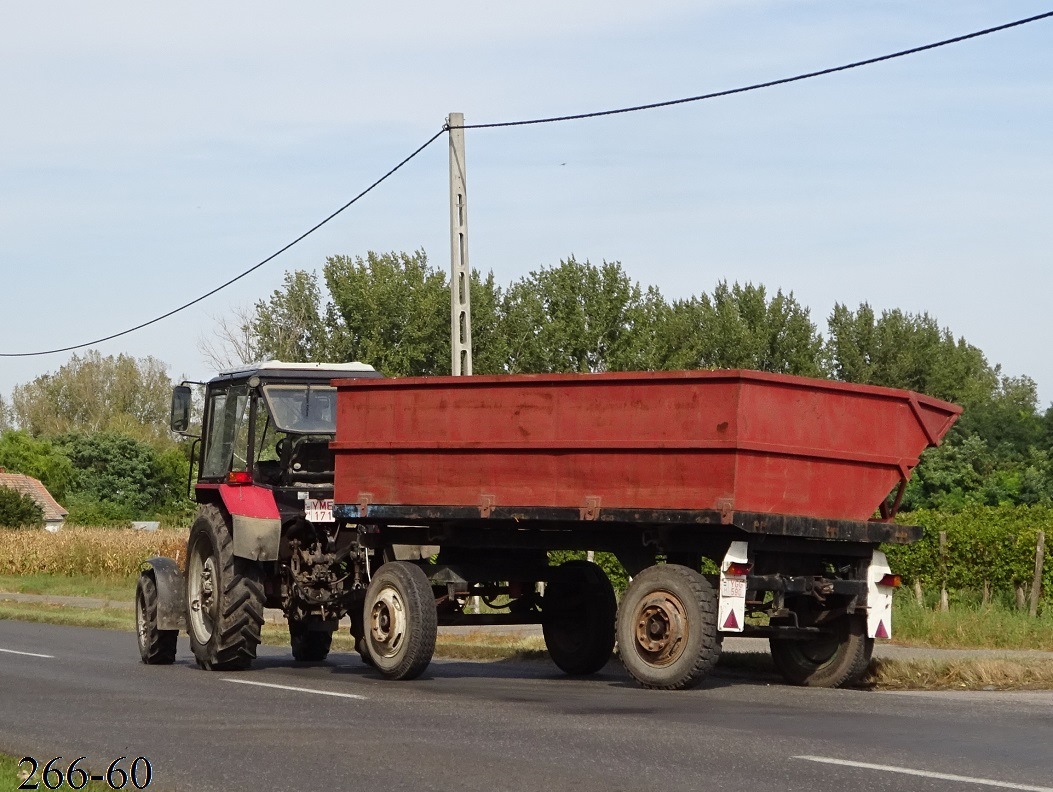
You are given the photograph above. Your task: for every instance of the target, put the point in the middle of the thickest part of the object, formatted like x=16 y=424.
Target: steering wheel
x=280 y=446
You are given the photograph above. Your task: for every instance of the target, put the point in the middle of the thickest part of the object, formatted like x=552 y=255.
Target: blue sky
x=148 y=154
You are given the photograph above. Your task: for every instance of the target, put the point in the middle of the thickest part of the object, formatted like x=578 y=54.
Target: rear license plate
x=318 y=509
x=733 y=587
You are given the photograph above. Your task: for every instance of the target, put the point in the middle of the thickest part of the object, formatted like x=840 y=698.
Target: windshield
x=302 y=409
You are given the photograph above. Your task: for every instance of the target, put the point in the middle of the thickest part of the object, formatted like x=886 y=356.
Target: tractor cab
x=268 y=425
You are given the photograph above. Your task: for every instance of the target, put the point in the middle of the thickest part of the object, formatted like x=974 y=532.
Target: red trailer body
x=698 y=440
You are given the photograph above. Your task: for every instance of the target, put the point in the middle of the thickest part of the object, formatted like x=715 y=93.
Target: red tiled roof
x=30 y=486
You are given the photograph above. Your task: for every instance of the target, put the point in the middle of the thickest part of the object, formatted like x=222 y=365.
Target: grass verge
x=963 y=627
x=106 y=618
x=971 y=627
x=116 y=589
x=956 y=674
x=981 y=674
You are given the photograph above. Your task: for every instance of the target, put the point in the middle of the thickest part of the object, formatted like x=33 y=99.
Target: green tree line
x=392 y=310
x=95 y=430
x=95 y=433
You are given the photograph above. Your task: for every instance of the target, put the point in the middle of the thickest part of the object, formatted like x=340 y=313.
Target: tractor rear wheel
x=310 y=643
x=224 y=597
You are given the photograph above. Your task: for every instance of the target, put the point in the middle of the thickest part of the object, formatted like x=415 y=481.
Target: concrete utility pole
x=460 y=273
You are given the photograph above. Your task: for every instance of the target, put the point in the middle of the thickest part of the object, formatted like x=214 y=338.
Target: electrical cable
x=758 y=86
x=548 y=120
x=236 y=278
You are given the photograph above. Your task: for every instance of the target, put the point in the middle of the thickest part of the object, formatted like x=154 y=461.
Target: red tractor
x=264 y=531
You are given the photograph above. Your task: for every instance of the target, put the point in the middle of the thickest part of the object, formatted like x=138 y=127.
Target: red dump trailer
x=740 y=503
x=781 y=483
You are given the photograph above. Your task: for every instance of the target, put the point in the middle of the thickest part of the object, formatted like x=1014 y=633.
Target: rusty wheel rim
x=661 y=628
x=388 y=623
x=203 y=600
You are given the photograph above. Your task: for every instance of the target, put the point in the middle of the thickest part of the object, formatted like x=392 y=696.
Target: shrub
x=18 y=510
x=992 y=544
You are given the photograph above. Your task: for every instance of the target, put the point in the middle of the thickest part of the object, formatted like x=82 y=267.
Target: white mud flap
x=731 y=614
x=879 y=597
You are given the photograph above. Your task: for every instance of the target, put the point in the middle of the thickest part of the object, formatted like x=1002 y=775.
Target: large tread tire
x=577 y=617
x=309 y=645
x=224 y=597
x=400 y=620
x=836 y=660
x=156 y=647
x=667 y=628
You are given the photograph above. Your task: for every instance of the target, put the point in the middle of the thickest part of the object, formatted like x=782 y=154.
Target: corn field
x=93 y=552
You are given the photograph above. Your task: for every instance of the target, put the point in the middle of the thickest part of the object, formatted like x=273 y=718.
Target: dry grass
x=471 y=646
x=486 y=646
x=1015 y=674
x=90 y=552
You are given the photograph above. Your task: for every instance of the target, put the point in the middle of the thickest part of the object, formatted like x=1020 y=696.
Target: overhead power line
x=768 y=84
x=236 y=278
x=535 y=121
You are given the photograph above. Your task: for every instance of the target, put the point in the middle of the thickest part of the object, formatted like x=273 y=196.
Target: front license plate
x=318 y=509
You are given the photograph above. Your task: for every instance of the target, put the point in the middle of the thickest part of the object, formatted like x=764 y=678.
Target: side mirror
x=181 y=400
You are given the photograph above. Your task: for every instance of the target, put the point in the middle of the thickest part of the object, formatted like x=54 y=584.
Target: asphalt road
x=70 y=692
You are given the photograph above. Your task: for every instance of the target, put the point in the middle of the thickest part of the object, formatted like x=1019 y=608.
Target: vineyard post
x=944 y=603
x=1036 y=584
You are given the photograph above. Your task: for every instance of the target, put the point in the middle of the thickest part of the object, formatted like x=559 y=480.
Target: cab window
x=227 y=441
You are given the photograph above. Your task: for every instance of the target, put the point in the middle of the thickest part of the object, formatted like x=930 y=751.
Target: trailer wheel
x=577 y=617
x=224 y=597
x=156 y=647
x=667 y=627
x=835 y=660
x=309 y=646
x=400 y=620
x=363 y=650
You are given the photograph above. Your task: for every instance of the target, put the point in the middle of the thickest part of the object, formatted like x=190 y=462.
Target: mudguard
x=879 y=598
x=256 y=522
x=171 y=593
x=731 y=616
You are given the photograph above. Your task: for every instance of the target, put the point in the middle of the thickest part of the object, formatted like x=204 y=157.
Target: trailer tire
x=363 y=650
x=577 y=617
x=828 y=661
x=156 y=647
x=309 y=646
x=667 y=628
x=400 y=620
x=224 y=597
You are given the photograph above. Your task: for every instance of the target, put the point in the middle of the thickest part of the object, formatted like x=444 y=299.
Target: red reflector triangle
x=731 y=623
x=881 y=631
